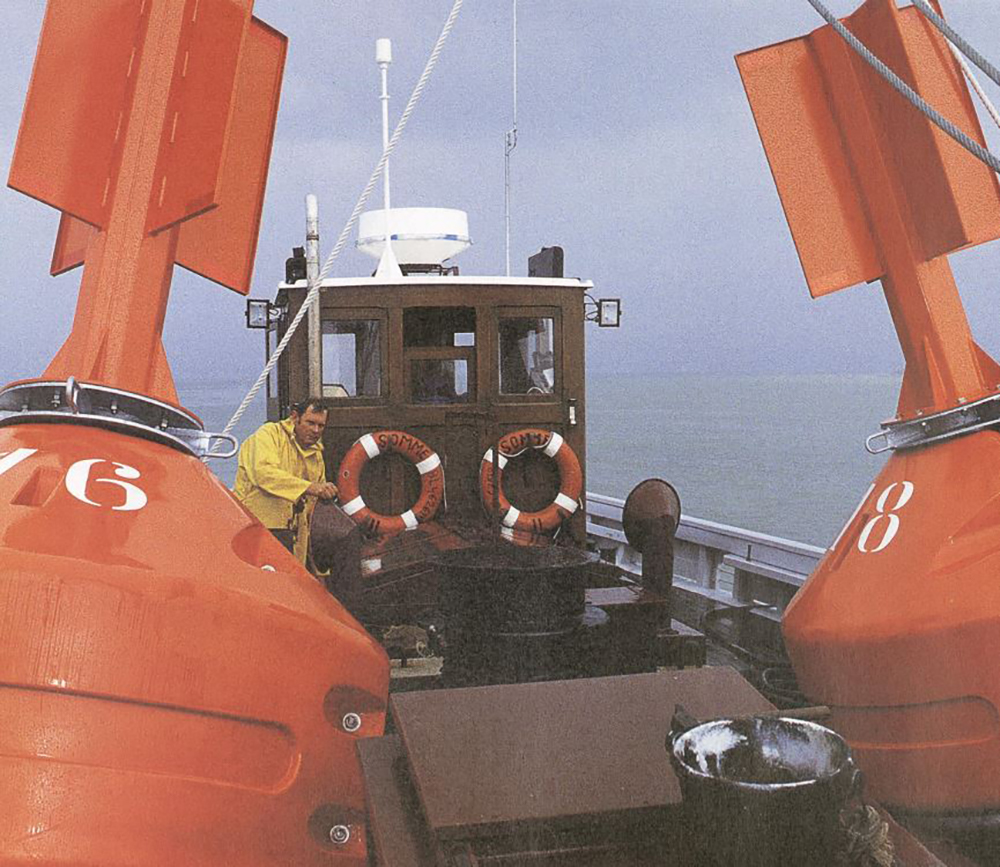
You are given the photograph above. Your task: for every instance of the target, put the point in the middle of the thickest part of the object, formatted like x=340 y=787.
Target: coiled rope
x=866 y=840
x=901 y=87
x=313 y=294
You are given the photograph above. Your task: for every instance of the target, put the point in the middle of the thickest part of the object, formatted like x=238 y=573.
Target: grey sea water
x=779 y=454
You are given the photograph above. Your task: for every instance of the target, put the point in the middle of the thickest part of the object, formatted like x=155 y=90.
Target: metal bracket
x=923 y=430
x=112 y=408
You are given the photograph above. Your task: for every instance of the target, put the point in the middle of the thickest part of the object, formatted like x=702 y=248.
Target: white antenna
x=387 y=266
x=510 y=142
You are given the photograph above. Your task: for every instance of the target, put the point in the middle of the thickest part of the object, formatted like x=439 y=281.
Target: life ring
x=567 y=501
x=371 y=445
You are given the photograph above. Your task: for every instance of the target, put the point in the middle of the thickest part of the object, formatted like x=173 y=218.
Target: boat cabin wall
x=457 y=366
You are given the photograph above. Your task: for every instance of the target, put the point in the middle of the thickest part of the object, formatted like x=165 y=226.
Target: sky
x=637 y=154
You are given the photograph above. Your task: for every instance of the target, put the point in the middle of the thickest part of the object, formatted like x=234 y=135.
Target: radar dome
x=420 y=236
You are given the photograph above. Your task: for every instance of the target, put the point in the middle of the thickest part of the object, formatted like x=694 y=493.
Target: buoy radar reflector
x=419 y=236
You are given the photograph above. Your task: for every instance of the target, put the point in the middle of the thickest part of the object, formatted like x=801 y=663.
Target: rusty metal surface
x=486 y=759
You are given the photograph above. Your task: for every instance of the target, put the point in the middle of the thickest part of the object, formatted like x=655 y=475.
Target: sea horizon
x=781 y=454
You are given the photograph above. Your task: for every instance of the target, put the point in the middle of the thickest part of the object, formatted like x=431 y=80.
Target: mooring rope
x=866 y=840
x=901 y=87
x=313 y=294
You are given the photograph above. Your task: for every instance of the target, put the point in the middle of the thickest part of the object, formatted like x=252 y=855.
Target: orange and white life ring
x=371 y=445
x=567 y=501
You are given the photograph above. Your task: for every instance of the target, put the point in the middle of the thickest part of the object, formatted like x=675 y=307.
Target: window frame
x=524 y=311
x=355 y=314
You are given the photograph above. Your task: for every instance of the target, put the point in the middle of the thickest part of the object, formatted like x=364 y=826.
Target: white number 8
x=905 y=493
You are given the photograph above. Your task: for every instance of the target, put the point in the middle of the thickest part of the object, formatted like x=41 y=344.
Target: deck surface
x=493 y=757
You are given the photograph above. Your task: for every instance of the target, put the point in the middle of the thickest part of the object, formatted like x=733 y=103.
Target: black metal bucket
x=763 y=790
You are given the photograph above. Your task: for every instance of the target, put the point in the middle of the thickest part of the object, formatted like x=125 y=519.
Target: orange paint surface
x=173 y=684
x=898 y=629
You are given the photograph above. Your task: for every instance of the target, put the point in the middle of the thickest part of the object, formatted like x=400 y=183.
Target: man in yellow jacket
x=281 y=474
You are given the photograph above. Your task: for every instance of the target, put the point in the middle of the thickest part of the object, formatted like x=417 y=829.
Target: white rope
x=313 y=294
x=972 y=146
x=976 y=86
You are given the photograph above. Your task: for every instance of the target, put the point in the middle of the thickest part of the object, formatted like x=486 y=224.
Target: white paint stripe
x=566 y=503
x=554 y=445
x=510 y=519
x=370 y=446
x=428 y=464
x=507 y=532
x=488 y=459
x=356 y=505
x=409 y=519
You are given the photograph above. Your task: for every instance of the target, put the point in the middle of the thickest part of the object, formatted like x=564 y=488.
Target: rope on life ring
x=567 y=501
x=372 y=445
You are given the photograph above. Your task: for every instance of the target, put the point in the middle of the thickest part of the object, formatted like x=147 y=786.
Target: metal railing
x=725 y=564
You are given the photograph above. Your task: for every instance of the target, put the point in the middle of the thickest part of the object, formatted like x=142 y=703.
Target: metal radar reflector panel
x=898 y=629
x=175 y=687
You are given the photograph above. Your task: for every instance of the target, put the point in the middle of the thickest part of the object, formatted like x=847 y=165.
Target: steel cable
x=313 y=294
x=901 y=87
x=949 y=32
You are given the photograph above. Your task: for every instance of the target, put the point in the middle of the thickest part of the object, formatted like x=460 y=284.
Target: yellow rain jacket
x=274 y=472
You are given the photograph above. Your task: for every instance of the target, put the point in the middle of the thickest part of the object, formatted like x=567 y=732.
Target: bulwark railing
x=724 y=564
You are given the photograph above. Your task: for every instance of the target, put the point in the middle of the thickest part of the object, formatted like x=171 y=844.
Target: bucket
x=763 y=790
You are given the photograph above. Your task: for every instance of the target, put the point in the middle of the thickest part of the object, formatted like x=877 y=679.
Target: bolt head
x=340 y=834
x=351 y=722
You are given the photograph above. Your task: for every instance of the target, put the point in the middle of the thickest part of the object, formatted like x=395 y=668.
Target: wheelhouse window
x=527 y=355
x=352 y=358
x=442 y=380
x=439 y=344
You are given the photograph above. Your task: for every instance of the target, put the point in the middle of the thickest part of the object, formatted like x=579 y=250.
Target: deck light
x=609 y=312
x=258 y=313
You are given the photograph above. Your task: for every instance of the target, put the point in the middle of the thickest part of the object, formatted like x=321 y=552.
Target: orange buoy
x=176 y=688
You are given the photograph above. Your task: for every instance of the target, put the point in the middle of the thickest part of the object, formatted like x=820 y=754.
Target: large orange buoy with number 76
x=174 y=687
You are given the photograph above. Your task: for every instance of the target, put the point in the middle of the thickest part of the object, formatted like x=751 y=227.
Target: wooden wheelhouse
x=457 y=362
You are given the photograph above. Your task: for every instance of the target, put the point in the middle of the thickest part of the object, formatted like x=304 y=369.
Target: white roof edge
x=443 y=280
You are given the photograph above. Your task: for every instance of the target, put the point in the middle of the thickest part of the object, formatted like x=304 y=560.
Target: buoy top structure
x=156 y=152
x=897 y=628
x=177 y=688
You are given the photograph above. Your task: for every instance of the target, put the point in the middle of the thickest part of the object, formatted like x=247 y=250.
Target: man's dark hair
x=316 y=404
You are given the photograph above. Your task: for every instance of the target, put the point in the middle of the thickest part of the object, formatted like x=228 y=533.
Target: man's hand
x=323 y=490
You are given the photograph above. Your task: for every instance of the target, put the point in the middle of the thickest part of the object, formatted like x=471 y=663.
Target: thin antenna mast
x=387 y=266
x=510 y=142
